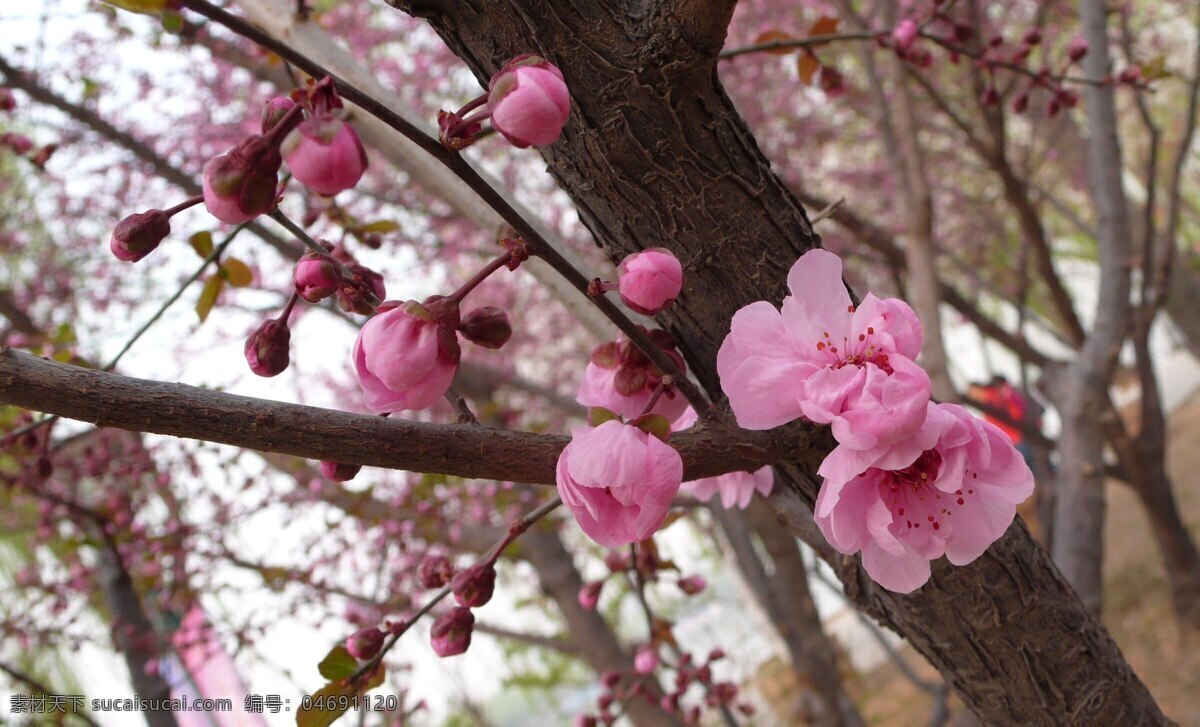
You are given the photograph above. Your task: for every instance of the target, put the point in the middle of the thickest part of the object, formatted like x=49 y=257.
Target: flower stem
x=458 y=295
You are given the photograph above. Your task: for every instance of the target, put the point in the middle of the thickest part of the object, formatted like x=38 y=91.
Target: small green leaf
x=144 y=7
x=381 y=226
x=332 y=700
x=237 y=272
x=654 y=424
x=202 y=243
x=597 y=415
x=172 y=22
x=337 y=664
x=208 y=296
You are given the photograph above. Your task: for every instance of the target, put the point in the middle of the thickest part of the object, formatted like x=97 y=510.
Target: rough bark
x=789 y=607
x=655 y=155
x=1082 y=391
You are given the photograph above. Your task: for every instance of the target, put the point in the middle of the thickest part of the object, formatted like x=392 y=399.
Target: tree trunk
x=785 y=597
x=133 y=635
x=654 y=154
x=1079 y=515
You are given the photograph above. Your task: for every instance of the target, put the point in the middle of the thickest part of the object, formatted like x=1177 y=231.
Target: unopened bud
x=354 y=294
x=316 y=277
x=434 y=571
x=338 y=472
x=692 y=584
x=267 y=348
x=19 y=143
x=646 y=659
x=365 y=644
x=487 y=326
x=474 y=586
x=610 y=679
x=274 y=111
x=1077 y=48
x=589 y=594
x=8 y=102
x=241 y=184
x=139 y=234
x=451 y=632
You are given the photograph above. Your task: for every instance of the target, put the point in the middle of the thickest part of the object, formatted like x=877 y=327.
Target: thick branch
x=179 y=410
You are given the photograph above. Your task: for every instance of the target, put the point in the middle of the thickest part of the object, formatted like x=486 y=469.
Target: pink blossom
x=951 y=489
x=404 y=359
x=650 y=280
x=646 y=659
x=339 y=472
x=529 y=102
x=905 y=34
x=735 y=488
x=325 y=155
x=618 y=482
x=692 y=585
x=827 y=360
x=619 y=377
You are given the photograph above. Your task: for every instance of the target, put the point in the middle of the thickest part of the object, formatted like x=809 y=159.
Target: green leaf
x=172 y=22
x=325 y=707
x=202 y=243
x=654 y=424
x=237 y=272
x=144 y=7
x=208 y=296
x=337 y=664
x=380 y=226
x=597 y=415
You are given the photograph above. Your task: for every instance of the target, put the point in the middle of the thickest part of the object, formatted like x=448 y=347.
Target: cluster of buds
x=621 y=378
x=618 y=688
x=406 y=356
x=322 y=151
x=527 y=101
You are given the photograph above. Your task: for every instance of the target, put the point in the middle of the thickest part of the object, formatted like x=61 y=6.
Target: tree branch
x=477 y=452
x=704 y=23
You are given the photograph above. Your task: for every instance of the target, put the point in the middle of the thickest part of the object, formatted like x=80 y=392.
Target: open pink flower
x=325 y=155
x=528 y=101
x=827 y=360
x=618 y=482
x=735 y=488
x=951 y=489
x=404 y=359
x=650 y=280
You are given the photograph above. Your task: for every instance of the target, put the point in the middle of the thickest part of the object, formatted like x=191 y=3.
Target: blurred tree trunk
x=784 y=595
x=1082 y=391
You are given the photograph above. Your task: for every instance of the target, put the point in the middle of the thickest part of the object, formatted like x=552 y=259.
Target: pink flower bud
x=338 y=472
x=451 y=632
x=139 y=234
x=316 y=277
x=832 y=82
x=365 y=644
x=8 y=101
x=692 y=584
x=267 y=348
x=402 y=360
x=618 y=481
x=274 y=111
x=990 y=96
x=1033 y=37
x=19 y=143
x=1130 y=75
x=325 y=154
x=434 y=571
x=646 y=659
x=1020 y=103
x=1077 y=48
x=487 y=326
x=529 y=102
x=589 y=595
x=240 y=184
x=905 y=34
x=584 y=720
x=610 y=678
x=474 y=586
x=353 y=296
x=716 y=654
x=650 y=280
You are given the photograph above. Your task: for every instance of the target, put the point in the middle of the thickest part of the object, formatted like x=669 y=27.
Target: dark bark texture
x=654 y=154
